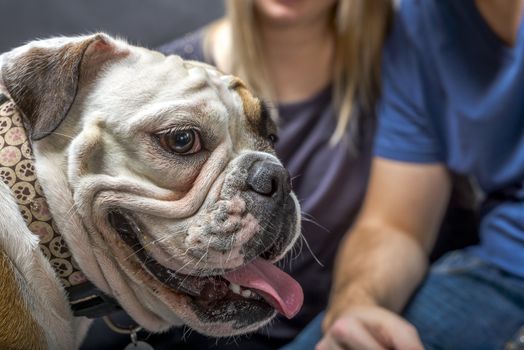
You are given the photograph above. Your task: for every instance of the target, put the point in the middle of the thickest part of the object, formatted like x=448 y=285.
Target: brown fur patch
x=18 y=329
x=252 y=107
x=251 y=104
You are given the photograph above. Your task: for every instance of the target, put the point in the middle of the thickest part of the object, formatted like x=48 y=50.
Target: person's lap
x=466 y=304
x=463 y=304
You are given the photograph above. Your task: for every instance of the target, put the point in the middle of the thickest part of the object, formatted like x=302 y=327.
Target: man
x=453 y=99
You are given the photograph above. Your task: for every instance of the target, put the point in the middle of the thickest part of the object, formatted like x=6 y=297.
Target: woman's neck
x=299 y=59
x=503 y=16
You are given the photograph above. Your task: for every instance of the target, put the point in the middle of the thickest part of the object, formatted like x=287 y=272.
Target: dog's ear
x=43 y=79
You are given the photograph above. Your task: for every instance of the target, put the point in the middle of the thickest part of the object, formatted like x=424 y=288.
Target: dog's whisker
x=195 y=266
x=208 y=245
x=202 y=257
x=297 y=249
x=146 y=245
x=178 y=256
x=311 y=251
x=64 y=135
x=231 y=250
x=72 y=210
x=310 y=218
x=293 y=254
x=295 y=177
x=183 y=266
x=233 y=340
x=187 y=332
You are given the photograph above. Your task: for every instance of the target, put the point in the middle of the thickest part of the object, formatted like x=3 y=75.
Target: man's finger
x=406 y=337
x=349 y=333
x=328 y=343
x=394 y=332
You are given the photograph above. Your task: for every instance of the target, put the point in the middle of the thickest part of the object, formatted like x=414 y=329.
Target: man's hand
x=369 y=328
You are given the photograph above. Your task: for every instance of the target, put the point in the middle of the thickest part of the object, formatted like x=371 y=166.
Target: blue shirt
x=453 y=93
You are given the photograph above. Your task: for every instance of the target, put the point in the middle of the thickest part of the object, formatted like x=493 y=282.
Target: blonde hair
x=360 y=28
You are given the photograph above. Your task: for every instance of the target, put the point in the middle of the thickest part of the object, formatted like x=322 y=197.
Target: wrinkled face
x=176 y=181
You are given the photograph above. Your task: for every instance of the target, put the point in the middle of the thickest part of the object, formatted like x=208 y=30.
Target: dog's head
x=162 y=177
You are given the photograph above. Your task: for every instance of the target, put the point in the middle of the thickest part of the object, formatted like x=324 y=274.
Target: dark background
x=147 y=23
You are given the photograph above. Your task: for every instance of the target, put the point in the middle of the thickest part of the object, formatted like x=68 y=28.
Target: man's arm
x=384 y=257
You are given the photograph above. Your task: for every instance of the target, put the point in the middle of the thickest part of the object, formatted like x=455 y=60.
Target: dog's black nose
x=268 y=178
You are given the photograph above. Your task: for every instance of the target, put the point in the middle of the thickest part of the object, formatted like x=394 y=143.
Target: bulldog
x=156 y=177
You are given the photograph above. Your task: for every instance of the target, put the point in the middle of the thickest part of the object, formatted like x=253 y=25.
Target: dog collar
x=17 y=171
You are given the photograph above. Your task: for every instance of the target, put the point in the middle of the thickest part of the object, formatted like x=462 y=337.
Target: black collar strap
x=17 y=171
x=89 y=301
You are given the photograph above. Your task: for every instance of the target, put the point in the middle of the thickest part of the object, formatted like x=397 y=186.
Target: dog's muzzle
x=259 y=280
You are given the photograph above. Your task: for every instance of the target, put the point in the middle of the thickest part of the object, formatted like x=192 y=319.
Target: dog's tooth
x=246 y=293
x=235 y=288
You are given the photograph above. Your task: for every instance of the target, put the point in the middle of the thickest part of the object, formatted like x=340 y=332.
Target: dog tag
x=139 y=345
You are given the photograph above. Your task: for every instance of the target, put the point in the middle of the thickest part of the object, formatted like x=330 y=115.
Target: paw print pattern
x=43 y=230
x=15 y=136
x=26 y=150
x=5 y=124
x=24 y=192
x=40 y=209
x=17 y=119
x=26 y=214
x=65 y=282
x=77 y=278
x=7 y=109
x=59 y=249
x=8 y=176
x=38 y=188
x=62 y=267
x=17 y=171
x=9 y=156
x=25 y=170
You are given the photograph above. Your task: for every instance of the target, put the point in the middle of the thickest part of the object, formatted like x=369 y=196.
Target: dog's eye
x=273 y=138
x=180 y=141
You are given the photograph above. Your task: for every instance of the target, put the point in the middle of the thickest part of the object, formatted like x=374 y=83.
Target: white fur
x=50 y=309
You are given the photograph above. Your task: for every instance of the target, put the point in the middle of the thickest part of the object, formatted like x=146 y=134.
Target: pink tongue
x=278 y=288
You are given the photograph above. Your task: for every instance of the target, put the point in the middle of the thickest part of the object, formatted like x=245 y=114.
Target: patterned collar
x=17 y=171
